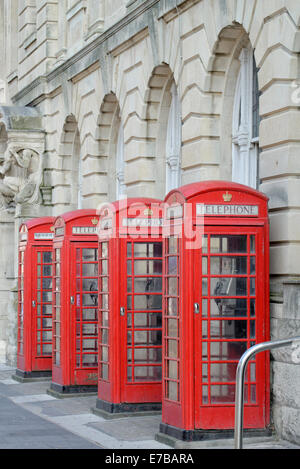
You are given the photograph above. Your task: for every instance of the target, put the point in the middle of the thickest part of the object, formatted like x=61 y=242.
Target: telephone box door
x=228 y=319
x=141 y=321
x=83 y=305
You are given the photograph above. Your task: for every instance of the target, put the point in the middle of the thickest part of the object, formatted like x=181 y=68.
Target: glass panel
x=47 y=283
x=104 y=371
x=47 y=349
x=222 y=394
x=47 y=270
x=147 y=355
x=149 y=320
x=144 y=267
x=232 y=329
x=172 y=348
x=172 y=245
x=47 y=310
x=104 y=318
x=47 y=257
x=104 y=354
x=252 y=265
x=89 y=254
x=89 y=329
x=228 y=307
x=228 y=265
x=90 y=284
x=147 y=337
x=47 y=296
x=252 y=286
x=149 y=302
x=172 y=286
x=172 y=369
x=89 y=299
x=172 y=327
x=104 y=249
x=228 y=286
x=89 y=314
x=172 y=306
x=89 y=360
x=172 y=393
x=227 y=350
x=252 y=243
x=89 y=344
x=147 y=249
x=222 y=372
x=148 y=284
x=90 y=270
x=147 y=373
x=204 y=265
x=229 y=243
x=172 y=265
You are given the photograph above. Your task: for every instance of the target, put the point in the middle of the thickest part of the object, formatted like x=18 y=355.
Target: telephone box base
x=205 y=435
x=30 y=376
x=59 y=390
x=111 y=410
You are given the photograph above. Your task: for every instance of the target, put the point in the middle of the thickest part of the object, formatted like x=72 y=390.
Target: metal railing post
x=240 y=378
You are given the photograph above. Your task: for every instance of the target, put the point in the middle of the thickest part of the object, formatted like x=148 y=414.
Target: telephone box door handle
x=33 y=303
x=196 y=308
x=122 y=311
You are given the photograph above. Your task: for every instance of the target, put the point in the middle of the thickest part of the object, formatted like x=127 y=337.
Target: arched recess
x=164 y=108
x=234 y=65
x=68 y=191
x=111 y=149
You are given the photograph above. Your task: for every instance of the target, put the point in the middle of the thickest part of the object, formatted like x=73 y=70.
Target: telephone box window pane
x=89 y=270
x=104 y=336
x=204 y=307
x=172 y=286
x=204 y=265
x=46 y=336
x=223 y=394
x=150 y=302
x=147 y=373
x=47 y=257
x=104 y=354
x=89 y=255
x=89 y=360
x=252 y=286
x=172 y=348
x=89 y=329
x=228 y=307
x=104 y=284
x=90 y=284
x=226 y=265
x=229 y=243
x=172 y=306
x=222 y=372
x=47 y=296
x=252 y=265
x=47 y=349
x=129 y=285
x=204 y=287
x=89 y=345
x=227 y=350
x=147 y=355
x=228 y=286
x=47 y=283
x=172 y=265
x=204 y=244
x=147 y=284
x=252 y=308
x=172 y=245
x=47 y=323
x=149 y=320
x=252 y=244
x=172 y=328
x=47 y=310
x=89 y=314
x=232 y=329
x=89 y=299
x=172 y=393
x=147 y=337
x=47 y=270
x=147 y=267
x=172 y=369
x=147 y=249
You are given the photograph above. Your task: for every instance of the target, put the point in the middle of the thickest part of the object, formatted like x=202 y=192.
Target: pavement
x=30 y=418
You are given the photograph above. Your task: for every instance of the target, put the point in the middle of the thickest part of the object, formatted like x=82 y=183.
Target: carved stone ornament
x=20 y=177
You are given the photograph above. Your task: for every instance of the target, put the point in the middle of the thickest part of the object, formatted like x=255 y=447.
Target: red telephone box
x=75 y=298
x=130 y=306
x=34 y=352
x=216 y=305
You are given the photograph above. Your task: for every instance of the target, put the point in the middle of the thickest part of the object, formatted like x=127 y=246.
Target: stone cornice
x=109 y=40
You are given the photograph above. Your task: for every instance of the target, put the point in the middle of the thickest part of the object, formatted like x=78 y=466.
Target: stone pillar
x=286 y=364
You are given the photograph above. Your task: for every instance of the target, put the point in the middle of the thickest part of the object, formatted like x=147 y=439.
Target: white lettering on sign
x=227 y=210
x=142 y=222
x=43 y=236
x=84 y=230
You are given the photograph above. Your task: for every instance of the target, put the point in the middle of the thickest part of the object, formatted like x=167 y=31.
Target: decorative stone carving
x=20 y=177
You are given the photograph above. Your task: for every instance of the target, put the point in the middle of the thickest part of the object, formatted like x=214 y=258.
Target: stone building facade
x=134 y=97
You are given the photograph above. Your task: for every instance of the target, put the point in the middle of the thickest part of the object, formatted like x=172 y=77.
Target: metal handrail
x=240 y=378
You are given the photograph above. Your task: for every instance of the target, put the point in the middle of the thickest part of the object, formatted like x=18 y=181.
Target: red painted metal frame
x=115 y=392
x=187 y=413
x=30 y=362
x=66 y=375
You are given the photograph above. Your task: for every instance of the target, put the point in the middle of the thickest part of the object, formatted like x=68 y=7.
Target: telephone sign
x=216 y=303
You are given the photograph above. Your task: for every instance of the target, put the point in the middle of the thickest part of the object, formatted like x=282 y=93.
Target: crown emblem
x=227 y=197
x=52 y=228
x=94 y=221
x=148 y=211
